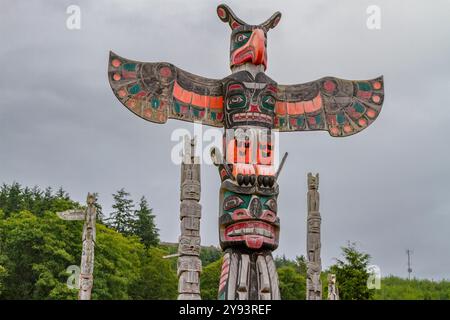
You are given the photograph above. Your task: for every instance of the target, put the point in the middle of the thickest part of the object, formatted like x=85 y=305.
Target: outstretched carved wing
x=341 y=107
x=158 y=91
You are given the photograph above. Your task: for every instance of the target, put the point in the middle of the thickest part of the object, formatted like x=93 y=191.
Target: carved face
x=249 y=220
x=189 y=245
x=248 y=44
x=249 y=103
x=190 y=190
x=86 y=283
x=314 y=225
x=313 y=181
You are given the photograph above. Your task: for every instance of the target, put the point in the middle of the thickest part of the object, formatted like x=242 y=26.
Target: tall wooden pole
x=189 y=263
x=333 y=292
x=314 y=264
x=87 y=254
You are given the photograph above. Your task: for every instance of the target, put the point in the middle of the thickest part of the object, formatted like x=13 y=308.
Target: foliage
x=209 y=280
x=395 y=288
x=37 y=249
x=14 y=198
x=210 y=254
x=157 y=278
x=122 y=218
x=352 y=274
x=292 y=284
x=144 y=226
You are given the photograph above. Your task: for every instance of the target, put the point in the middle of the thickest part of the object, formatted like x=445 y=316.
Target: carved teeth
x=254 y=116
x=251 y=231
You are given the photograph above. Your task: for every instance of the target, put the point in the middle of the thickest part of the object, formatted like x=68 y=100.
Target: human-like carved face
x=249 y=104
x=189 y=245
x=314 y=225
x=191 y=190
x=249 y=220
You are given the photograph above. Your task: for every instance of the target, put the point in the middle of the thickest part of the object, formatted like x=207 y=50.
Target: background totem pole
x=87 y=254
x=314 y=263
x=248 y=104
x=189 y=263
x=333 y=292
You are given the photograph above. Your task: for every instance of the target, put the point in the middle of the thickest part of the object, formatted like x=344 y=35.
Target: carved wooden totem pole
x=333 y=292
x=314 y=263
x=249 y=105
x=189 y=263
x=87 y=255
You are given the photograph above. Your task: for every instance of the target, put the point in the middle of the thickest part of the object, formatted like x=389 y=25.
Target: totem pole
x=189 y=263
x=249 y=105
x=87 y=255
x=333 y=292
x=314 y=263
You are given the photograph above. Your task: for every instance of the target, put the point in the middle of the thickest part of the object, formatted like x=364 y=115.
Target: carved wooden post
x=314 y=264
x=189 y=263
x=87 y=255
x=333 y=292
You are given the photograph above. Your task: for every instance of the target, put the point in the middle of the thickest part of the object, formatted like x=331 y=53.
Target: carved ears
x=271 y=22
x=227 y=15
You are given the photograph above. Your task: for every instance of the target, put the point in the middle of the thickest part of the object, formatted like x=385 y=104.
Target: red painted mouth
x=254 y=233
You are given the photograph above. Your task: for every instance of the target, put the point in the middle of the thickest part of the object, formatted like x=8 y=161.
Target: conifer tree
x=145 y=227
x=122 y=218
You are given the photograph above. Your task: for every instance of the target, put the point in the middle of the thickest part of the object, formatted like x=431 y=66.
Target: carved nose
x=255 y=208
x=257 y=41
x=254 y=108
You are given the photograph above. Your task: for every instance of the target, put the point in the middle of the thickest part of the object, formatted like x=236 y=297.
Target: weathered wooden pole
x=333 y=292
x=314 y=264
x=87 y=255
x=189 y=263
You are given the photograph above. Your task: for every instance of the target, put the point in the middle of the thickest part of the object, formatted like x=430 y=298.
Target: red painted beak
x=253 y=51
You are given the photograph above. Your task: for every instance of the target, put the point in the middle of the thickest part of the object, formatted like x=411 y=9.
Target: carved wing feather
x=159 y=91
x=341 y=107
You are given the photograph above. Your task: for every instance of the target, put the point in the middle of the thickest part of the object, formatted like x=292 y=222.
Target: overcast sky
x=386 y=188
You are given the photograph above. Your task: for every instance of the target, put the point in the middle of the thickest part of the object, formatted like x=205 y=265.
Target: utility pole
x=409 y=252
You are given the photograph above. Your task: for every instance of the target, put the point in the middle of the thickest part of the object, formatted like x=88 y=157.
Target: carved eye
x=268 y=102
x=272 y=205
x=236 y=101
x=241 y=37
x=232 y=202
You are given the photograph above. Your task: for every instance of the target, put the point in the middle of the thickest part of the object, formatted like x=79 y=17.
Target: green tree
x=301 y=265
x=122 y=218
x=292 y=283
x=145 y=227
x=157 y=278
x=37 y=250
x=352 y=274
x=209 y=280
x=210 y=254
x=98 y=206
